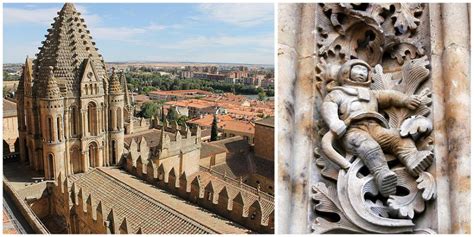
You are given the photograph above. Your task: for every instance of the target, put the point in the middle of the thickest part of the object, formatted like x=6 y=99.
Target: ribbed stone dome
x=68 y=43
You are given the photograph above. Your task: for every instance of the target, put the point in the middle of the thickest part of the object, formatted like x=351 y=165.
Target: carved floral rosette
x=391 y=38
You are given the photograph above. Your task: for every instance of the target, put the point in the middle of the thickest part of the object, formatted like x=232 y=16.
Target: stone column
x=288 y=22
x=84 y=123
x=456 y=62
x=66 y=123
x=296 y=99
x=100 y=157
x=440 y=213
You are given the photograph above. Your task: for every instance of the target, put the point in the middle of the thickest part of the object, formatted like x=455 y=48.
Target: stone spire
x=24 y=85
x=114 y=86
x=123 y=81
x=52 y=89
x=68 y=43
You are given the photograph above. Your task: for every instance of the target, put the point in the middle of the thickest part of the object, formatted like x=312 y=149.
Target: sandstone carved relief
x=376 y=132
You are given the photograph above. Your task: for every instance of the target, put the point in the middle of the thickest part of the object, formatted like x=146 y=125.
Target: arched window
x=50 y=129
x=111 y=119
x=51 y=166
x=58 y=124
x=91 y=90
x=93 y=154
x=76 y=160
x=85 y=89
x=73 y=121
x=92 y=118
x=114 y=158
x=119 y=118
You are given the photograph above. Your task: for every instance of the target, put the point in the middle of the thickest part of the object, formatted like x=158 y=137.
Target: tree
x=262 y=95
x=214 y=128
x=149 y=109
x=5 y=91
x=172 y=114
x=182 y=120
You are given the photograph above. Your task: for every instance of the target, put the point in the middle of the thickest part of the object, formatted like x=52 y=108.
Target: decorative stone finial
x=115 y=87
x=52 y=89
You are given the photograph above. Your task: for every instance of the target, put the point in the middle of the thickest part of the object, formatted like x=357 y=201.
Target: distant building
x=187 y=74
x=10 y=126
x=264 y=138
x=193 y=108
x=177 y=94
x=228 y=126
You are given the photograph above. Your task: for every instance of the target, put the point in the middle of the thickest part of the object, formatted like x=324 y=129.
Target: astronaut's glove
x=338 y=127
x=413 y=102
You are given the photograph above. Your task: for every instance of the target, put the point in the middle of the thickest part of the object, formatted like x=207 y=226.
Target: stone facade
x=265 y=138
x=176 y=148
x=227 y=197
x=10 y=127
x=71 y=113
x=326 y=54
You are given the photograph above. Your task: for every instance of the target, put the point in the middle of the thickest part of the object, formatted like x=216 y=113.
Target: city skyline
x=205 y=33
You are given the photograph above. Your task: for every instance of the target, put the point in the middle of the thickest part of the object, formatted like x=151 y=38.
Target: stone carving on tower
x=374 y=148
x=72 y=113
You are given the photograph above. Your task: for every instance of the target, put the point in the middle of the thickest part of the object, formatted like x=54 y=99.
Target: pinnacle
x=52 y=90
x=68 y=7
x=115 y=87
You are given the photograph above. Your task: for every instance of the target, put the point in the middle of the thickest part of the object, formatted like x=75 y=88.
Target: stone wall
x=10 y=132
x=256 y=215
x=264 y=142
x=25 y=210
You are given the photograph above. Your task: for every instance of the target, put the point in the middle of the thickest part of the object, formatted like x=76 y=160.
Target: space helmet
x=344 y=74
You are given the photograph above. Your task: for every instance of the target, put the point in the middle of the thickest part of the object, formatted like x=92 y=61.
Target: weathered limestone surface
x=288 y=22
x=456 y=71
x=434 y=34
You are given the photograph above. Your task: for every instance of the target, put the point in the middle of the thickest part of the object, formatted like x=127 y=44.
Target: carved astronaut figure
x=351 y=111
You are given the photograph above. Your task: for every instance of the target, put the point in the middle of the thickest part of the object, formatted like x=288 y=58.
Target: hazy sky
x=227 y=33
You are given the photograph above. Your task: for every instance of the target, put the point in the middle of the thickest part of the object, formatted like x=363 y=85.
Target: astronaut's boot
x=417 y=161
x=386 y=181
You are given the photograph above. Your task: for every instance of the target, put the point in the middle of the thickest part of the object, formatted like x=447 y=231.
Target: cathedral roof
x=68 y=44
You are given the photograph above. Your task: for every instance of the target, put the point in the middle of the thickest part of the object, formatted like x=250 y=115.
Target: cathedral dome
x=68 y=43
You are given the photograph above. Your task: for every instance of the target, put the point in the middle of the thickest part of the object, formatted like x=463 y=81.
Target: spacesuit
x=351 y=111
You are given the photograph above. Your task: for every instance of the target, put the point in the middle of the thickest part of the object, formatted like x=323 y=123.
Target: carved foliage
x=367 y=31
x=378 y=34
x=332 y=216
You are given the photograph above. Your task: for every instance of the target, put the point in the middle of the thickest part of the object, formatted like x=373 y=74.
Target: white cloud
x=126 y=34
x=240 y=14
x=36 y=16
x=265 y=41
x=44 y=16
